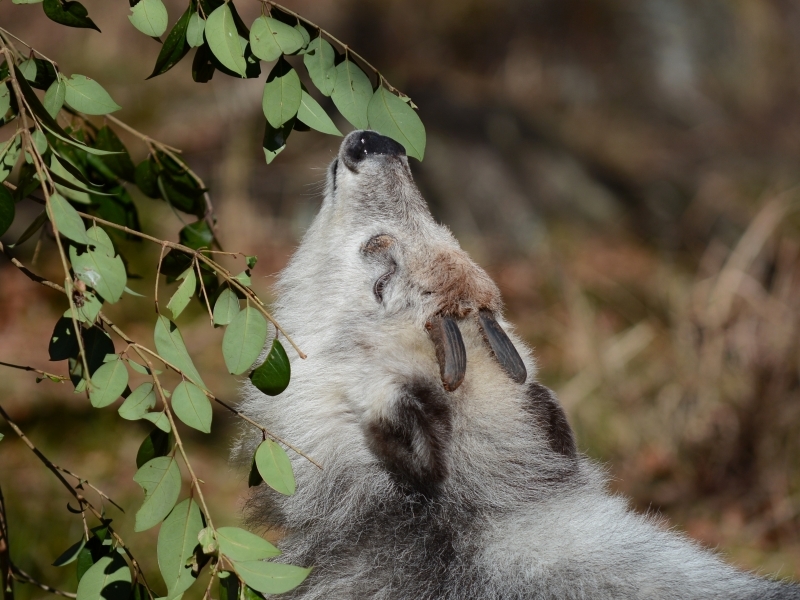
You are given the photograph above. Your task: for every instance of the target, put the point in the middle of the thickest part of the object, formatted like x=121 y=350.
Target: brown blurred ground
x=626 y=170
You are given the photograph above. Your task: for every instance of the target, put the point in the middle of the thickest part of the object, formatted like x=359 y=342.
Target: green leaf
x=160 y=479
x=269 y=38
x=226 y=307
x=141 y=368
x=392 y=117
x=177 y=540
x=175 y=46
x=194 y=30
x=196 y=235
x=170 y=345
x=100 y=240
x=47 y=121
x=228 y=586
x=318 y=59
x=243 y=278
x=254 y=477
x=180 y=299
x=87 y=96
x=71 y=14
x=313 y=115
x=243 y=340
x=352 y=92
x=25 y=1
x=150 y=17
x=140 y=401
x=120 y=162
x=105 y=275
x=70 y=554
x=5 y=101
x=93 y=551
x=7 y=209
x=270 y=578
x=272 y=376
x=107 y=579
x=251 y=261
x=147 y=178
x=191 y=406
x=275 y=468
x=223 y=40
x=87 y=309
x=304 y=34
x=157 y=443
x=238 y=544
x=208 y=543
x=160 y=420
x=66 y=219
x=275 y=139
x=28 y=69
x=55 y=96
x=8 y=156
x=282 y=94
x=66 y=182
x=63 y=343
x=108 y=383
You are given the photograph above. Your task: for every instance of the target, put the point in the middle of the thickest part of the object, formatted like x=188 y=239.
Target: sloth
x=448 y=471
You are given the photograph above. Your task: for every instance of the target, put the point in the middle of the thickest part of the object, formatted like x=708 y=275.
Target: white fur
x=513 y=519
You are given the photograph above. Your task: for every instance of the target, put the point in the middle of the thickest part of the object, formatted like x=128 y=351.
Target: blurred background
x=627 y=171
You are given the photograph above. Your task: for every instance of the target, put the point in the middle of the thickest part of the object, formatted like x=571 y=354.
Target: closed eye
x=380 y=284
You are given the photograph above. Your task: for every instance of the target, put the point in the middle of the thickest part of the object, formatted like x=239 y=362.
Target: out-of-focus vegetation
x=626 y=170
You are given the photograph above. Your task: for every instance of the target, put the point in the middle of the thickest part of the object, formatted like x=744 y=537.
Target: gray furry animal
x=449 y=472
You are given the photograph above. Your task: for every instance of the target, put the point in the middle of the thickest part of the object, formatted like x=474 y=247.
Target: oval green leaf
x=87 y=96
x=175 y=47
x=161 y=481
x=270 y=578
x=66 y=181
x=54 y=96
x=103 y=273
x=243 y=340
x=275 y=467
x=157 y=443
x=70 y=554
x=9 y=154
x=226 y=307
x=392 y=117
x=272 y=377
x=150 y=17
x=238 y=544
x=107 y=579
x=352 y=93
x=170 y=345
x=180 y=299
x=66 y=219
x=282 y=94
x=108 y=383
x=140 y=401
x=191 y=406
x=69 y=13
x=160 y=420
x=269 y=38
x=313 y=115
x=177 y=540
x=318 y=60
x=194 y=31
x=223 y=40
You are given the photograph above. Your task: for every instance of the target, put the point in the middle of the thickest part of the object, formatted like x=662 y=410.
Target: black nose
x=361 y=144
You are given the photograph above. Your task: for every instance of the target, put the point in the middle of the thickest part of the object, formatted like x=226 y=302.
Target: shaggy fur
x=425 y=493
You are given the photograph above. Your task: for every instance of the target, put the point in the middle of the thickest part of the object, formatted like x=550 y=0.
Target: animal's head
x=376 y=254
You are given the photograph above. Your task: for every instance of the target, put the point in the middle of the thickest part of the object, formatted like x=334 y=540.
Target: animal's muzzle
x=362 y=144
x=452 y=355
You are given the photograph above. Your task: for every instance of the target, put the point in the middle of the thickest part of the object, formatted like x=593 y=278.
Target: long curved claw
x=501 y=346
x=450 y=352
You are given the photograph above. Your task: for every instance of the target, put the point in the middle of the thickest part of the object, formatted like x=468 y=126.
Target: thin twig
x=39 y=371
x=23 y=577
x=196 y=265
x=83 y=481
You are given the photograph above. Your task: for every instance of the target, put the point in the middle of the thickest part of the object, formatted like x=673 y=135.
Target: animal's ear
x=412 y=437
x=542 y=405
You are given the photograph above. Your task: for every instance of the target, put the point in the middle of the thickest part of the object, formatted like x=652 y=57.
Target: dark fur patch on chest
x=412 y=438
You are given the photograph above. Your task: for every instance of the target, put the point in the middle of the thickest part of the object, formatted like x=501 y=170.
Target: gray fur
x=429 y=494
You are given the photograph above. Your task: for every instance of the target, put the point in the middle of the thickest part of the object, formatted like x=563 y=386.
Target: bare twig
x=39 y=371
